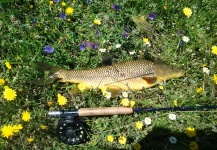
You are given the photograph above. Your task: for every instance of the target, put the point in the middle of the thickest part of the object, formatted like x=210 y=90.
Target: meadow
x=77 y=35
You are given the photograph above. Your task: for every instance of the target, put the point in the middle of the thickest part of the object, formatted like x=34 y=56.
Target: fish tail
x=50 y=73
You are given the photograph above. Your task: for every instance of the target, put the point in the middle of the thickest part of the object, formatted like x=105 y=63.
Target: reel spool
x=72 y=131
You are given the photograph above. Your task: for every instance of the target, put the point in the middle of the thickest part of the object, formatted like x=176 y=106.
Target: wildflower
x=199 y=90
x=206 y=70
x=107 y=94
x=125 y=34
x=137 y=146
x=152 y=16
x=187 y=11
x=173 y=140
x=110 y=138
x=50 y=2
x=9 y=94
x=132 y=52
x=97 y=22
x=145 y=40
x=185 y=39
x=69 y=11
x=93 y=45
x=2 y=81
x=214 y=50
x=142 y=18
x=49 y=103
x=43 y=127
x=63 y=4
x=118 y=45
x=139 y=125
x=147 y=120
x=127 y=29
x=62 y=15
x=180 y=32
x=30 y=139
x=116 y=7
x=161 y=87
x=61 y=99
x=8 y=65
x=26 y=116
x=7 y=131
x=193 y=146
x=124 y=94
x=17 y=128
x=48 y=49
x=125 y=102
x=122 y=140
x=215 y=78
x=165 y=7
x=103 y=50
x=175 y=103
x=132 y=103
x=56 y=1
x=82 y=47
x=172 y=116
x=190 y=132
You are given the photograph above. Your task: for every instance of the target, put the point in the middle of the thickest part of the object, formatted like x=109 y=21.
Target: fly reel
x=72 y=131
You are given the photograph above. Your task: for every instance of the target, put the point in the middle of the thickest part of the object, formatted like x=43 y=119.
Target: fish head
x=166 y=72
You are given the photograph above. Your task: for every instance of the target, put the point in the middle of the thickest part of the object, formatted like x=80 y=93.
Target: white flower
x=206 y=70
x=124 y=94
x=118 y=45
x=173 y=140
x=185 y=39
x=107 y=94
x=103 y=50
x=148 y=44
x=147 y=120
x=172 y=116
x=132 y=52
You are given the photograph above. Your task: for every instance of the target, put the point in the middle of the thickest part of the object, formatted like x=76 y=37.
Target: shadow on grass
x=158 y=139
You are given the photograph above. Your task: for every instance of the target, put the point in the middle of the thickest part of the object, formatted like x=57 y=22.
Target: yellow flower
x=190 y=132
x=2 y=81
x=6 y=87
x=26 y=116
x=103 y=89
x=187 y=11
x=50 y=2
x=63 y=4
x=161 y=87
x=122 y=140
x=97 y=22
x=125 y=102
x=30 y=139
x=43 y=127
x=49 y=103
x=139 y=125
x=8 y=65
x=165 y=7
x=175 y=103
x=214 y=50
x=145 y=40
x=68 y=19
x=110 y=138
x=193 y=146
x=9 y=94
x=61 y=99
x=17 y=128
x=215 y=78
x=82 y=87
x=137 y=146
x=7 y=131
x=199 y=90
x=142 y=18
x=69 y=11
x=132 y=103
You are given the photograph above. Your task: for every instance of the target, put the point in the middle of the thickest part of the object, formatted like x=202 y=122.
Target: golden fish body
x=129 y=75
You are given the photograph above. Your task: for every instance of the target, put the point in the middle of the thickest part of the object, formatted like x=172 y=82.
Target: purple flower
x=62 y=15
x=82 y=47
x=116 y=7
x=125 y=34
x=48 y=49
x=93 y=45
x=56 y=1
x=127 y=29
x=152 y=16
x=180 y=32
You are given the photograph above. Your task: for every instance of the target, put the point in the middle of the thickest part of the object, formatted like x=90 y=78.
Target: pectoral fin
x=150 y=80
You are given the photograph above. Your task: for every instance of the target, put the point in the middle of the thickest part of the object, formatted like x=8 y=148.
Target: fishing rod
x=72 y=129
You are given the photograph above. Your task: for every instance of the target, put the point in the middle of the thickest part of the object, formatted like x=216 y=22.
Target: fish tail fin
x=50 y=73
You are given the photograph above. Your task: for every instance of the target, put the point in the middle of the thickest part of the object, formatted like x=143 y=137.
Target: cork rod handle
x=104 y=111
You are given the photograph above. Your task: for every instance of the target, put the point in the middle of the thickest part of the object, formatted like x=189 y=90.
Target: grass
x=27 y=26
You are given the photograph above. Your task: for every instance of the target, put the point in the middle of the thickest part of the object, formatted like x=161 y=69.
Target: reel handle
x=104 y=111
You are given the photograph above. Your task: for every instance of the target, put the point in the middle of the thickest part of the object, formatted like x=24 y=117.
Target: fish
x=121 y=76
